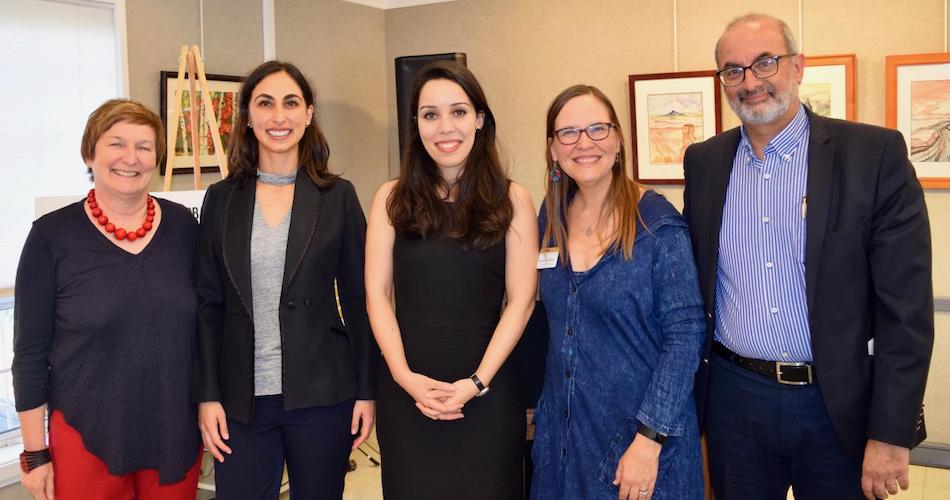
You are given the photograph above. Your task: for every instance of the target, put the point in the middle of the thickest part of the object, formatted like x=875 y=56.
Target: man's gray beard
x=771 y=113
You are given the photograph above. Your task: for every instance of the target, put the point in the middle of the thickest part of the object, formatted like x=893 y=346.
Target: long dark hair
x=622 y=197
x=482 y=208
x=313 y=150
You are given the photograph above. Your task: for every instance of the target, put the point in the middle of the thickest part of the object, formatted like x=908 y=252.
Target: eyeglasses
x=761 y=68
x=594 y=131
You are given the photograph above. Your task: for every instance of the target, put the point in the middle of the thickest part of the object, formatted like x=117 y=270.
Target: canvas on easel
x=191 y=64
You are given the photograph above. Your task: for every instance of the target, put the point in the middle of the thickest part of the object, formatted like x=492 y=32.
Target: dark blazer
x=324 y=360
x=867 y=273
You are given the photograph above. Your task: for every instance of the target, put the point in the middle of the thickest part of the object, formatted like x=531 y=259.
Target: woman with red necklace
x=104 y=328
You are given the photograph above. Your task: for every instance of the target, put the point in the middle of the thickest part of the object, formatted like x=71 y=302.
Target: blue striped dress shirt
x=761 y=307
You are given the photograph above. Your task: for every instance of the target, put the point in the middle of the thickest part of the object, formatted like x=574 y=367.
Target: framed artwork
x=668 y=112
x=917 y=103
x=828 y=88
x=224 y=100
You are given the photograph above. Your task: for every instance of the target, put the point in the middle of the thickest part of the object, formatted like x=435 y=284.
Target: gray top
x=268 y=252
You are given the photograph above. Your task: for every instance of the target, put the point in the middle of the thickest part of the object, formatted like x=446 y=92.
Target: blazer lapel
x=720 y=169
x=304 y=217
x=820 y=169
x=236 y=250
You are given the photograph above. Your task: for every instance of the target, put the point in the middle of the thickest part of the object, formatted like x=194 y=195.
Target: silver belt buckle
x=778 y=372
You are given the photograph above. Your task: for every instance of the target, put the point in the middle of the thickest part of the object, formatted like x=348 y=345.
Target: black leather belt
x=791 y=373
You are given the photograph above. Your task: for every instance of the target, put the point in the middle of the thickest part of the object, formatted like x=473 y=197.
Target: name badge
x=547 y=258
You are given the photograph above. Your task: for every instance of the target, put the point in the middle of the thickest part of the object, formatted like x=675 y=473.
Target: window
x=8 y=417
x=61 y=59
x=59 y=63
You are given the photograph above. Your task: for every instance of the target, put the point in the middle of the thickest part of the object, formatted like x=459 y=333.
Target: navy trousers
x=315 y=442
x=763 y=437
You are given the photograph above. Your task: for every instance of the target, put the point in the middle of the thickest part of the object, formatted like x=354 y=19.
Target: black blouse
x=106 y=337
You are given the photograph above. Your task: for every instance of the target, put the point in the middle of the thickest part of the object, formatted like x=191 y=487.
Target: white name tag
x=547 y=258
x=871 y=347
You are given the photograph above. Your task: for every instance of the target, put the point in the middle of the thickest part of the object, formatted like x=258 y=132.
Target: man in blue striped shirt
x=813 y=247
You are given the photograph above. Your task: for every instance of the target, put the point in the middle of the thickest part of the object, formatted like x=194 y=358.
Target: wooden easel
x=191 y=59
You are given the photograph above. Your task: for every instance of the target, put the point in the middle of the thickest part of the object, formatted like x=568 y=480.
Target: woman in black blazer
x=279 y=374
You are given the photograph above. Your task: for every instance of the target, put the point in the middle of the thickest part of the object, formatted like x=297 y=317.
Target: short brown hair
x=120 y=110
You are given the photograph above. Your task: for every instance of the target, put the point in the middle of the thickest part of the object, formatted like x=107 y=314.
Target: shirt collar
x=787 y=141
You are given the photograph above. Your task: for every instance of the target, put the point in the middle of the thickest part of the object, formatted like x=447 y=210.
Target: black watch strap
x=482 y=388
x=649 y=433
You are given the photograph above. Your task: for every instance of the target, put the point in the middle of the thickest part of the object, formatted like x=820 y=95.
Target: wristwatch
x=651 y=434
x=482 y=388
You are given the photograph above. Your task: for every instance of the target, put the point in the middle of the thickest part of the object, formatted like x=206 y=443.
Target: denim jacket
x=625 y=340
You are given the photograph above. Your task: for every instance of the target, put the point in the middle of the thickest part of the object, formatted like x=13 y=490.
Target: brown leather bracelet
x=30 y=460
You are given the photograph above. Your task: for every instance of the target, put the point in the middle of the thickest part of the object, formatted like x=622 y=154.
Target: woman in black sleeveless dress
x=458 y=240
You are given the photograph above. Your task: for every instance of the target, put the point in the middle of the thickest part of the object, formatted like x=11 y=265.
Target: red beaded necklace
x=119 y=232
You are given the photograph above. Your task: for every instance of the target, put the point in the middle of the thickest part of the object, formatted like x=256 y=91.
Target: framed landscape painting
x=917 y=103
x=668 y=112
x=828 y=88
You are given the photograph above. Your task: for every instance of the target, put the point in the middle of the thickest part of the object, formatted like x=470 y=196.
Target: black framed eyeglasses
x=594 y=131
x=763 y=67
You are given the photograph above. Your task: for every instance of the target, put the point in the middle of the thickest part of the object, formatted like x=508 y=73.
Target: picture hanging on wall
x=828 y=88
x=224 y=101
x=668 y=112
x=917 y=97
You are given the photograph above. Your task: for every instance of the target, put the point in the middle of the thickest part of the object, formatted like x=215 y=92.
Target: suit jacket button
x=291 y=304
x=307 y=302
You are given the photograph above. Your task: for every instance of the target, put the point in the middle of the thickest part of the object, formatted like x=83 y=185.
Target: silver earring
x=249 y=125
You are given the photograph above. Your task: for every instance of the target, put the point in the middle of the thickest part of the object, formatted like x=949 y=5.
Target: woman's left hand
x=364 y=415
x=636 y=472
x=465 y=390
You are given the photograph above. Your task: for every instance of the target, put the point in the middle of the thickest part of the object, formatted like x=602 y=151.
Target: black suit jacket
x=867 y=273
x=324 y=360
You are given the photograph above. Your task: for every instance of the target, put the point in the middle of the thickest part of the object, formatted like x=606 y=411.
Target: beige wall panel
x=524 y=53
x=699 y=27
x=886 y=28
x=155 y=32
x=340 y=47
x=938 y=207
x=233 y=36
x=936 y=400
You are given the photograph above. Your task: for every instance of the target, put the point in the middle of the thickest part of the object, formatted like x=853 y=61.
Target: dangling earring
x=555 y=173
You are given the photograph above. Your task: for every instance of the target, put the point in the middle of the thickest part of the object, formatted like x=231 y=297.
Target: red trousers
x=80 y=475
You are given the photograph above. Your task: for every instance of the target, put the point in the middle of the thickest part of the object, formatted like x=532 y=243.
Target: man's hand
x=886 y=466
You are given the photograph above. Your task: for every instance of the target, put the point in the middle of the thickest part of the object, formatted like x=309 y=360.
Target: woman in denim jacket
x=616 y=417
